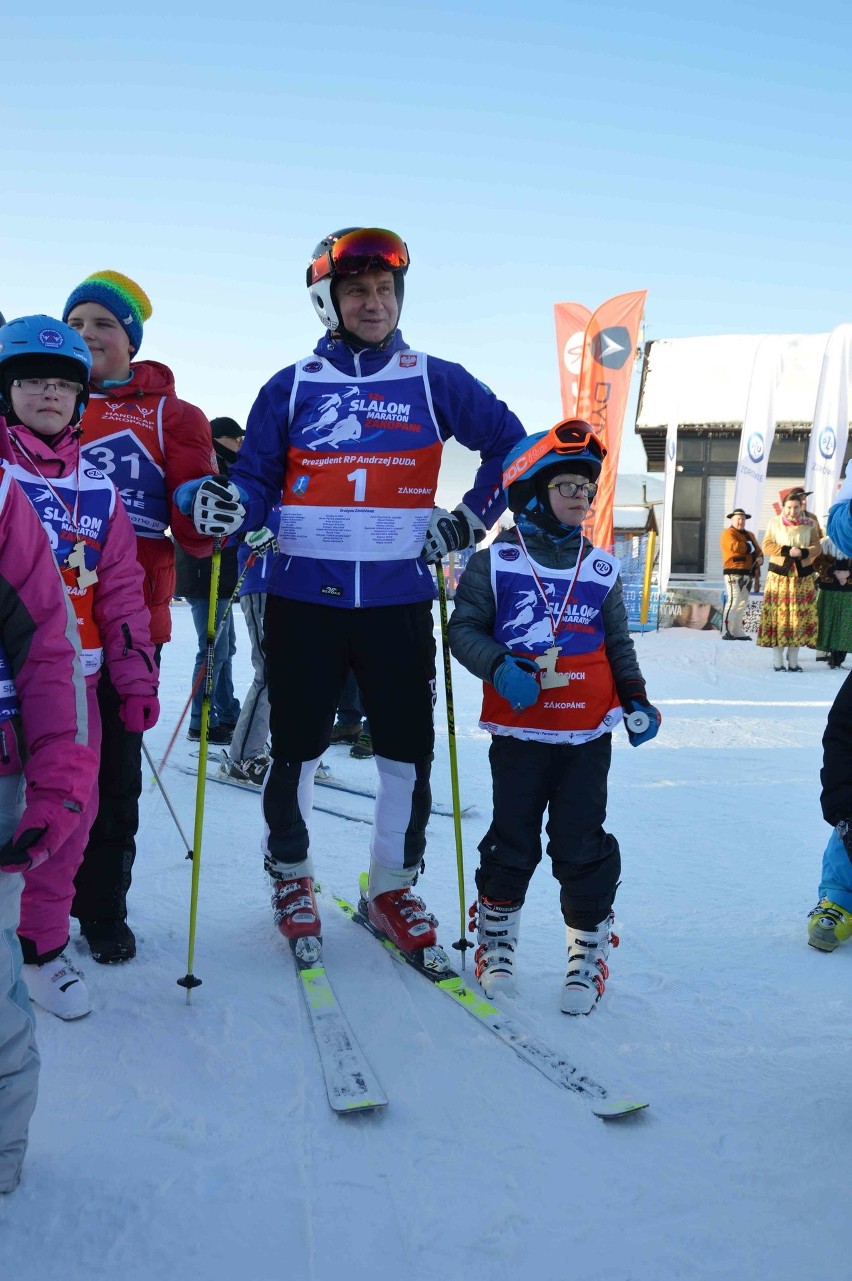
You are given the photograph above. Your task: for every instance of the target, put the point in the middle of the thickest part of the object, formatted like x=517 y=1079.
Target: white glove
x=217 y=508
x=261 y=541
x=450 y=532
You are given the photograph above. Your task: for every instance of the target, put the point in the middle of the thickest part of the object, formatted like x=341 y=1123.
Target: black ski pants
x=569 y=783
x=103 y=878
x=309 y=650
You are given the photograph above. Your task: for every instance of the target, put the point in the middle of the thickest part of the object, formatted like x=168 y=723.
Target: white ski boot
x=497 y=925
x=58 y=988
x=587 y=968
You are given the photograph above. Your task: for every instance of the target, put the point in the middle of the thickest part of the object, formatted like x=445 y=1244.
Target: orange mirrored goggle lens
x=575 y=437
x=360 y=251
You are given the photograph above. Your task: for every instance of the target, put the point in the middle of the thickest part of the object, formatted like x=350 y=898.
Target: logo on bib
x=407 y=360
x=509 y=553
x=300 y=484
x=602 y=567
x=312 y=367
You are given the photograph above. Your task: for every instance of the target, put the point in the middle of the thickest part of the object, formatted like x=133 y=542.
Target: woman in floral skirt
x=788 y=619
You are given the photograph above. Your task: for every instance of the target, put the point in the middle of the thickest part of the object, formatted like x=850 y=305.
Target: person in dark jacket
x=830 y=922
x=540 y=618
x=193 y=582
x=349 y=441
x=834 y=603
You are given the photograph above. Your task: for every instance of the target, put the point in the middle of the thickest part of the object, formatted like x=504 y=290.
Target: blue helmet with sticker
x=571 y=445
x=40 y=346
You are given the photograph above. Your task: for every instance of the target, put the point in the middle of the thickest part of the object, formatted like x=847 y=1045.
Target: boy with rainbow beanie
x=148 y=442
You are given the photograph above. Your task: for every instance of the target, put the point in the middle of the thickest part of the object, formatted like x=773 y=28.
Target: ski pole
x=463 y=942
x=189 y=981
x=199 y=678
x=158 y=780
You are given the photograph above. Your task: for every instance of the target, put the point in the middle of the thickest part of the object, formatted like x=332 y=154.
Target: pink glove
x=46 y=825
x=139 y=712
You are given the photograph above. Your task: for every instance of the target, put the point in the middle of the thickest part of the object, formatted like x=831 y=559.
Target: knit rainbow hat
x=127 y=301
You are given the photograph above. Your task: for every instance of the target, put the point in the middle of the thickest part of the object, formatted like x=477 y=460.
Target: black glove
x=14 y=856
x=450 y=532
x=217 y=507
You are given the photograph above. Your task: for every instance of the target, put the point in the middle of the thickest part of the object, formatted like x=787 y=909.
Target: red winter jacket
x=187 y=455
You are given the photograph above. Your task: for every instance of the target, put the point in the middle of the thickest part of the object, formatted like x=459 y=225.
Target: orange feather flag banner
x=596 y=353
x=572 y=320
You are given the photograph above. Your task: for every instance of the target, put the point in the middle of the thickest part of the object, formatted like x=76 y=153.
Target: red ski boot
x=295 y=908
x=402 y=916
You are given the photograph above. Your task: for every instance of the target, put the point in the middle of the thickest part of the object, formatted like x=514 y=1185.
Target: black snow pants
x=103 y=878
x=309 y=650
x=570 y=783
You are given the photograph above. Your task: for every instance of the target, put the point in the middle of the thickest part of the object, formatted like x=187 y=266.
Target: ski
x=351 y=1084
x=445 y=811
x=217 y=777
x=338 y=785
x=434 y=964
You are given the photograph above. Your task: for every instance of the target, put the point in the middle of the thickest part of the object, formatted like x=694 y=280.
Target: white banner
x=830 y=430
x=758 y=425
x=671 y=473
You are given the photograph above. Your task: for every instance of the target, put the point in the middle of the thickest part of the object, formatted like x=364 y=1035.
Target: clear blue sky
x=527 y=153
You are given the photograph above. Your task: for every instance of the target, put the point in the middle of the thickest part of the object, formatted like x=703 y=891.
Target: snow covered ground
x=175 y=1141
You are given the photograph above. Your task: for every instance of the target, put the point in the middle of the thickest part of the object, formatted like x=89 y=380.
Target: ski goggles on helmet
x=359 y=251
x=572 y=437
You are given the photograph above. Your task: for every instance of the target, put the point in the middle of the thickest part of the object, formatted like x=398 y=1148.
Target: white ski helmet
x=349 y=252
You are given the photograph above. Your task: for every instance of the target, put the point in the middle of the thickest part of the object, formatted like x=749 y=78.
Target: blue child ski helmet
x=531 y=462
x=33 y=346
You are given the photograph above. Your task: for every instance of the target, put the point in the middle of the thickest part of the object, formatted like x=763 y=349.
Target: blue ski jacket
x=460 y=407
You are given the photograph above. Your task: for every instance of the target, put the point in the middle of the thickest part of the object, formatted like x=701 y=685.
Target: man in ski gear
x=44 y=374
x=42 y=722
x=352 y=586
x=540 y=619
x=741 y=559
x=148 y=442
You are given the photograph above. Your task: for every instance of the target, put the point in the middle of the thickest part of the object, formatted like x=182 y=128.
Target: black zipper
x=128 y=646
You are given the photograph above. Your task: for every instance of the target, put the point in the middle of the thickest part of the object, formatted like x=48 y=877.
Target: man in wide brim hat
x=741 y=558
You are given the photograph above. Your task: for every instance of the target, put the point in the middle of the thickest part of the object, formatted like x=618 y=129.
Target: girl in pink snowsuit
x=44 y=370
x=43 y=742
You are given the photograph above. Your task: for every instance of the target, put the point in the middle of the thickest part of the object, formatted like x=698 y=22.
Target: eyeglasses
x=568 y=489
x=36 y=386
x=360 y=250
x=570 y=437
